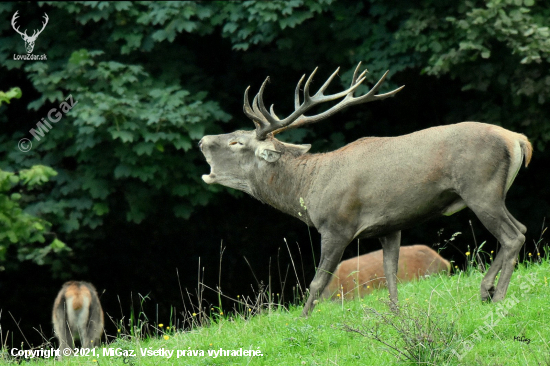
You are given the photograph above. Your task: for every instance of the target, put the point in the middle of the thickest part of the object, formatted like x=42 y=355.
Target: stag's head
x=29 y=40
x=234 y=158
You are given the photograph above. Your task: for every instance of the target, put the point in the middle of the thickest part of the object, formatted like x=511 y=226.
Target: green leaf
x=78 y=56
x=101 y=209
x=13 y=93
x=125 y=136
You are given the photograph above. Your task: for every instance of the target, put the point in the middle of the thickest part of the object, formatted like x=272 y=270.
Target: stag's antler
x=267 y=122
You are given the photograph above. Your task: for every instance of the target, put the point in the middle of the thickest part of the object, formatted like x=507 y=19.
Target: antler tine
x=326 y=84
x=389 y=94
x=272 y=112
x=251 y=112
x=307 y=97
x=355 y=74
x=261 y=119
x=261 y=105
x=247 y=109
x=346 y=93
x=370 y=96
x=297 y=93
x=361 y=76
x=378 y=84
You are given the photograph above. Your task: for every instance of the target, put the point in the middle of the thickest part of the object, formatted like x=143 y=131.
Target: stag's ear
x=270 y=156
x=300 y=149
x=268 y=152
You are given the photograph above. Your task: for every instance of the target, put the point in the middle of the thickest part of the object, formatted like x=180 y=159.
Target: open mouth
x=209 y=178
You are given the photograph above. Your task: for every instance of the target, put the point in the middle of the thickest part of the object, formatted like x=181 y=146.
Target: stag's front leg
x=331 y=253
x=390 y=249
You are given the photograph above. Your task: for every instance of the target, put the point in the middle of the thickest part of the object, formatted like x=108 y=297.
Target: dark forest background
x=112 y=194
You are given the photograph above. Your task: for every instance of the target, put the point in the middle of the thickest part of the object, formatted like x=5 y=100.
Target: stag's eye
x=234 y=143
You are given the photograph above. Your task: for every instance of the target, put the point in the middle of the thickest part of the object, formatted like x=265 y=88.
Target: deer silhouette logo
x=29 y=41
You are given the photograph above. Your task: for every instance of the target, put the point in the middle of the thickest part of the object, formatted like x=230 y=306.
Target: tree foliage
x=151 y=78
x=17 y=227
x=20 y=229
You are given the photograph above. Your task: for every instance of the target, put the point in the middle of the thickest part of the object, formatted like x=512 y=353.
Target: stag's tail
x=520 y=149
x=526 y=148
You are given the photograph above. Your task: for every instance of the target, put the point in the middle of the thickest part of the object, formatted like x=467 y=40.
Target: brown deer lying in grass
x=362 y=274
x=375 y=186
x=77 y=313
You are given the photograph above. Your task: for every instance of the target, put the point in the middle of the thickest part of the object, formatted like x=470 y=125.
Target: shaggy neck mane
x=283 y=183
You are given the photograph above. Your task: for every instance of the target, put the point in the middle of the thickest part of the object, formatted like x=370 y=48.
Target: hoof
x=394 y=307
x=488 y=295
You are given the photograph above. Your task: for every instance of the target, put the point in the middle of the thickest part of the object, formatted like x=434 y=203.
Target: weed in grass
x=413 y=334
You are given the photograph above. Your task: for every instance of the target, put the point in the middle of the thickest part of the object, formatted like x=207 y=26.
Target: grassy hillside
x=441 y=322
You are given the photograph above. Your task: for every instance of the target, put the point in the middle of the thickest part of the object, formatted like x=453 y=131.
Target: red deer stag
x=362 y=274
x=77 y=313
x=375 y=186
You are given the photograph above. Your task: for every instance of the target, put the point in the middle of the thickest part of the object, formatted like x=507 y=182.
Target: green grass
x=439 y=319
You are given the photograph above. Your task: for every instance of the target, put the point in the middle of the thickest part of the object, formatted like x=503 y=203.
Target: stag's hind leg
x=488 y=283
x=509 y=232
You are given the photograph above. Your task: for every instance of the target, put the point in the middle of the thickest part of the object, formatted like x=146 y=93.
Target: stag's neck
x=286 y=185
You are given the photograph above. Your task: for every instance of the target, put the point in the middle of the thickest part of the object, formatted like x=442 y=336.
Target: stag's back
x=360 y=275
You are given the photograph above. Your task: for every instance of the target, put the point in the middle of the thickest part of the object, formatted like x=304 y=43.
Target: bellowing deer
x=375 y=186
x=77 y=313
x=360 y=275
